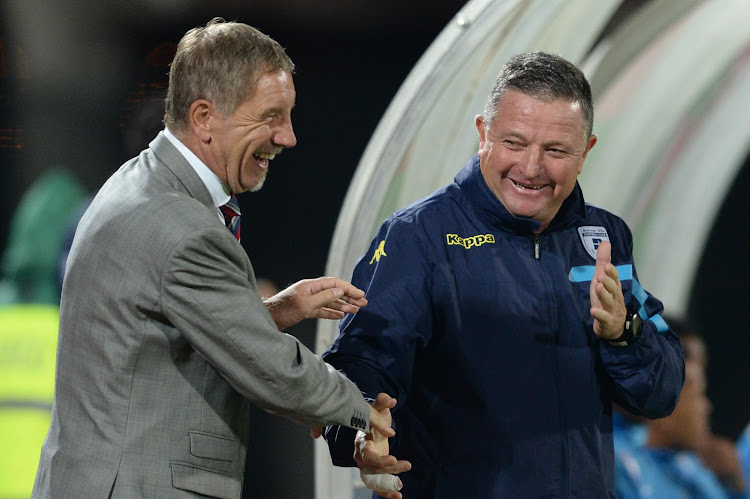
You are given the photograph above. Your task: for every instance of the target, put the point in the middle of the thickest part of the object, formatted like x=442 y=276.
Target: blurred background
x=81 y=91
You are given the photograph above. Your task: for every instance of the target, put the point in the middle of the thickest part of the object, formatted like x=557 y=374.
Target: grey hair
x=543 y=76
x=221 y=63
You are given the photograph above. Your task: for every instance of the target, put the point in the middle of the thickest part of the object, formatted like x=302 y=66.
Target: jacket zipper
x=565 y=450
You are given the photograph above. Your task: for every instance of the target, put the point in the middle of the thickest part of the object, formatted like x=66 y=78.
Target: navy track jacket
x=481 y=329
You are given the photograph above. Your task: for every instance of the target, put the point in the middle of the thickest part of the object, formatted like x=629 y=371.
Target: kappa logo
x=379 y=252
x=469 y=242
x=591 y=236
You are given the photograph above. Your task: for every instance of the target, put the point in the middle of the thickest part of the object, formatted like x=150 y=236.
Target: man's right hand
x=371 y=451
x=321 y=298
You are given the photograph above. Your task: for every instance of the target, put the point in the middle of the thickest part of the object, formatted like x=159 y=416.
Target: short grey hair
x=543 y=76
x=221 y=63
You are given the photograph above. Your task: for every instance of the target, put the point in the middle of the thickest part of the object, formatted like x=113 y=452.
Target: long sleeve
x=377 y=346
x=203 y=283
x=648 y=375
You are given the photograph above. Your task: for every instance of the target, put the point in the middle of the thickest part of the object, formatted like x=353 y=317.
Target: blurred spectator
x=629 y=434
x=722 y=457
x=29 y=299
x=29 y=264
x=669 y=464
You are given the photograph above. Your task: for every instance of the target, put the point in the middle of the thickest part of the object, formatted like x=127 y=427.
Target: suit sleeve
x=377 y=346
x=209 y=297
x=647 y=375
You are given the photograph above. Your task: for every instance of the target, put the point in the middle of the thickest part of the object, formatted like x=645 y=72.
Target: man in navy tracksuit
x=505 y=315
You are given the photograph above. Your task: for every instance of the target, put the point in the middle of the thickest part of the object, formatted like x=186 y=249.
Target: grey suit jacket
x=163 y=343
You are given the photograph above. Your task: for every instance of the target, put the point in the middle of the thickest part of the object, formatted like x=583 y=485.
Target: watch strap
x=631 y=330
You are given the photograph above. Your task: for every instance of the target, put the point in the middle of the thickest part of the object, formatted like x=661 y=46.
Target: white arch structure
x=670 y=86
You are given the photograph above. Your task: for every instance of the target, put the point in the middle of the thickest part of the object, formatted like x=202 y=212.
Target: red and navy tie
x=231 y=212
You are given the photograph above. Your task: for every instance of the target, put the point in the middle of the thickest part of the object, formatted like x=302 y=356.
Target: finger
x=337 y=297
x=605 y=297
x=322 y=299
x=384 y=464
x=383 y=401
x=612 y=272
x=612 y=286
x=380 y=482
x=343 y=306
x=601 y=315
x=351 y=291
x=380 y=424
x=375 y=461
x=320 y=284
x=592 y=293
x=327 y=313
x=357 y=302
x=323 y=283
x=603 y=254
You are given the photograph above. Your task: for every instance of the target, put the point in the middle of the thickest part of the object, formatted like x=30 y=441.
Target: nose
x=531 y=162
x=284 y=135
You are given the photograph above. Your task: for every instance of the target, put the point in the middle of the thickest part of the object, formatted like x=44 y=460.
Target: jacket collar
x=489 y=208
x=179 y=166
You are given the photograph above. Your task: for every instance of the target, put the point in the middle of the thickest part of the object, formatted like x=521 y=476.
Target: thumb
x=326 y=296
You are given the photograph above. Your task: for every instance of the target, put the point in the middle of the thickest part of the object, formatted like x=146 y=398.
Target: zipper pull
x=536 y=246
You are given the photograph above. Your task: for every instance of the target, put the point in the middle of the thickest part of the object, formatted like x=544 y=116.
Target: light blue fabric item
x=657 y=473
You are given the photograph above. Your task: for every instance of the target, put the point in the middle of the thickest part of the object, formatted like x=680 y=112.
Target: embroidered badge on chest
x=591 y=236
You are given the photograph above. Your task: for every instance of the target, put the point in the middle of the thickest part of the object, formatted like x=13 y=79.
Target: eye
x=555 y=152
x=512 y=144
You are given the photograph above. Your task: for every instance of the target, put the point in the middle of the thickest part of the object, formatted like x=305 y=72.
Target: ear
x=200 y=119
x=479 y=122
x=589 y=145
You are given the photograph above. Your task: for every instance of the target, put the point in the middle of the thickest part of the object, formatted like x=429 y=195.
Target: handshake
x=377 y=468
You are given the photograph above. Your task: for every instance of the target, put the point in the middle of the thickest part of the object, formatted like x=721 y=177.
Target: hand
x=377 y=467
x=720 y=455
x=321 y=298
x=607 y=302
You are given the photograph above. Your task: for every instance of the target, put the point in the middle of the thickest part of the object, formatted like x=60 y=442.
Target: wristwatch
x=633 y=325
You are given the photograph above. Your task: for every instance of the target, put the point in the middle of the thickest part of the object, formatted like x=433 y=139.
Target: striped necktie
x=231 y=212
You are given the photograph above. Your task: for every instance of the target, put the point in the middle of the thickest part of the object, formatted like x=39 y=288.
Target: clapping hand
x=607 y=301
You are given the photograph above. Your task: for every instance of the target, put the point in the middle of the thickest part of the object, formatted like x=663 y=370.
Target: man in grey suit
x=163 y=338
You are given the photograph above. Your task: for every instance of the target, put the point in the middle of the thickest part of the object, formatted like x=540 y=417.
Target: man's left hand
x=321 y=298
x=607 y=303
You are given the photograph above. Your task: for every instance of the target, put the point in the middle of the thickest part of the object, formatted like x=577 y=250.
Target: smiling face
x=532 y=152
x=239 y=147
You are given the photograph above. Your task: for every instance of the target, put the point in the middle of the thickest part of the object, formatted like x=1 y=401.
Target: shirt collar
x=212 y=182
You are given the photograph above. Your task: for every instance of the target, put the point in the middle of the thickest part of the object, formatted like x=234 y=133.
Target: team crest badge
x=591 y=236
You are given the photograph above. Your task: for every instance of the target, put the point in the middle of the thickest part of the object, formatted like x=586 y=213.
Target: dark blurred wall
x=719 y=307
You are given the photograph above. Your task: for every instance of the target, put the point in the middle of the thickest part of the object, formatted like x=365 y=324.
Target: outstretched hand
x=607 y=302
x=371 y=452
x=321 y=298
